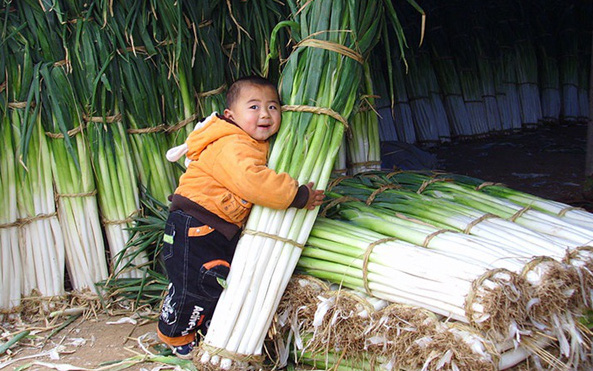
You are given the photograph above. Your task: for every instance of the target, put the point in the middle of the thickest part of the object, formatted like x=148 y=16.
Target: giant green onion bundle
x=447 y=214
x=324 y=70
x=527 y=80
x=10 y=286
x=337 y=328
x=549 y=78
x=362 y=141
x=41 y=241
x=400 y=106
x=507 y=79
x=445 y=187
x=397 y=271
x=449 y=81
x=420 y=102
x=453 y=285
x=96 y=71
x=486 y=78
x=436 y=101
x=40 y=236
x=11 y=276
x=569 y=76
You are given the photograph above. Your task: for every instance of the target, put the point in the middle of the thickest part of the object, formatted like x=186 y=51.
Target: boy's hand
x=316 y=197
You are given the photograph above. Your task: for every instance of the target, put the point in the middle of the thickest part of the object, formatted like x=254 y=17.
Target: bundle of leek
x=401 y=110
x=40 y=235
x=401 y=272
x=389 y=268
x=527 y=80
x=362 y=140
x=10 y=257
x=568 y=62
x=96 y=71
x=449 y=82
x=558 y=286
x=324 y=69
x=444 y=186
x=341 y=329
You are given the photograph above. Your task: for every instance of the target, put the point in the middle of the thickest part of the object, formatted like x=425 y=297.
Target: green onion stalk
x=41 y=241
x=362 y=141
x=305 y=147
x=450 y=284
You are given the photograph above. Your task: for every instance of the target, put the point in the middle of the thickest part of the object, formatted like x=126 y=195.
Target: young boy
x=226 y=176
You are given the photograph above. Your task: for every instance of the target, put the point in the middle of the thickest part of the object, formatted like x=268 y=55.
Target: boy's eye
x=255 y=106
x=273 y=107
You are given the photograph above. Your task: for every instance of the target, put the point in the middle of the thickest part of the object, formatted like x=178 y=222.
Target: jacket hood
x=214 y=129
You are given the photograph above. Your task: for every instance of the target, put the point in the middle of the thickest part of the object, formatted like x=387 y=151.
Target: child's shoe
x=183 y=351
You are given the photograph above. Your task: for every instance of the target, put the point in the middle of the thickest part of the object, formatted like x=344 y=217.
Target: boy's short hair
x=235 y=88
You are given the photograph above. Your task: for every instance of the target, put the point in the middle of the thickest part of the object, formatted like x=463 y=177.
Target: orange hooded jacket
x=228 y=174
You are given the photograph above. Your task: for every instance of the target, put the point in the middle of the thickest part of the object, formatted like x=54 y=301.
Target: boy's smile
x=256 y=111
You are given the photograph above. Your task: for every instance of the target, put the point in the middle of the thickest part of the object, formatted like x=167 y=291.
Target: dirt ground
x=548 y=162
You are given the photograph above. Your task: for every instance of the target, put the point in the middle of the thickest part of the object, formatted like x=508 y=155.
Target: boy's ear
x=228 y=113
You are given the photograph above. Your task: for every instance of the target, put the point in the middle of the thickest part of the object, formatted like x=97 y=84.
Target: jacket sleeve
x=241 y=167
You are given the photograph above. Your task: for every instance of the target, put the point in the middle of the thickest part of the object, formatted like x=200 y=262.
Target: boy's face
x=256 y=111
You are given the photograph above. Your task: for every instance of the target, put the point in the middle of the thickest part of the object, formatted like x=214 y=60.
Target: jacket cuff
x=301 y=197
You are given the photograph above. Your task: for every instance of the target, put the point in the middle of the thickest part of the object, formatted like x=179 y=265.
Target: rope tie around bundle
x=503 y=296
x=317 y=110
x=240 y=361
x=181 y=124
x=556 y=287
x=569 y=208
x=336 y=202
x=477 y=221
x=380 y=190
x=331 y=46
x=75 y=195
x=20 y=222
x=335 y=182
x=19 y=105
x=365 y=261
x=519 y=213
x=274 y=237
x=128 y=219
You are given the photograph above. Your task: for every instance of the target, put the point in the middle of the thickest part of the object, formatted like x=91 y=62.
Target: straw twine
x=274 y=237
